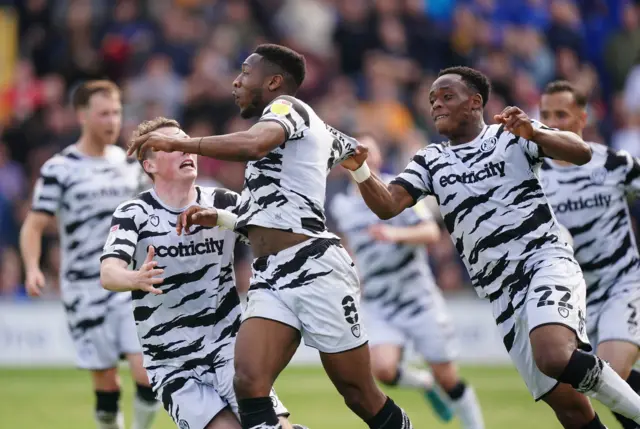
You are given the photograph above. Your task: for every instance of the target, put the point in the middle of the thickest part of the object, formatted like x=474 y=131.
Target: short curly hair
x=474 y=79
x=558 y=86
x=147 y=127
x=289 y=63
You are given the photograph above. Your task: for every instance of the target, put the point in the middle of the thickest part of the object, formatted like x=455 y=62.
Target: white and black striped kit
x=188 y=332
x=399 y=294
x=591 y=202
x=501 y=223
x=82 y=192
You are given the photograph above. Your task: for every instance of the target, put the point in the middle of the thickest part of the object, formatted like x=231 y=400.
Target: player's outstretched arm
x=115 y=276
x=250 y=145
x=426 y=232
x=31 y=250
x=556 y=144
x=386 y=201
x=210 y=217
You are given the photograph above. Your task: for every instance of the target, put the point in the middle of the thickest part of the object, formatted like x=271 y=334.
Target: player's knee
x=250 y=384
x=387 y=374
x=106 y=380
x=552 y=362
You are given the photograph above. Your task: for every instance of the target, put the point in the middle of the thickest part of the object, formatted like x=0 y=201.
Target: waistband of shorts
x=304 y=248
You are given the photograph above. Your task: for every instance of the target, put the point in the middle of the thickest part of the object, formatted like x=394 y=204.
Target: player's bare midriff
x=269 y=241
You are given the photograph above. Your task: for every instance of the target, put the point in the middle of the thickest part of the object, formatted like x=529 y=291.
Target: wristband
x=226 y=220
x=362 y=173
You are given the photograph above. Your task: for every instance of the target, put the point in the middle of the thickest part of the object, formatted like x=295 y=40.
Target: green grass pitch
x=62 y=399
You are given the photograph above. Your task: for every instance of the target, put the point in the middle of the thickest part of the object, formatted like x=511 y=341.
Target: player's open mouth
x=435 y=119
x=187 y=163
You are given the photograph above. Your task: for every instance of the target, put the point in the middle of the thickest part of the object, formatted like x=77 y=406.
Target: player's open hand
x=196 y=215
x=154 y=140
x=516 y=122
x=146 y=277
x=34 y=282
x=357 y=159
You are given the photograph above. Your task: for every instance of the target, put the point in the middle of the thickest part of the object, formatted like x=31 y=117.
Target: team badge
x=155 y=220
x=599 y=175
x=564 y=312
x=355 y=330
x=182 y=424
x=488 y=144
x=280 y=107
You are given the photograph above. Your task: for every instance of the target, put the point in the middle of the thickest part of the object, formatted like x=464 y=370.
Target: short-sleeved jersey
x=590 y=201
x=286 y=189
x=82 y=192
x=492 y=204
x=382 y=265
x=195 y=319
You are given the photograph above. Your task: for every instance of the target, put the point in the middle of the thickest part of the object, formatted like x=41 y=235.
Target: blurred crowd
x=370 y=64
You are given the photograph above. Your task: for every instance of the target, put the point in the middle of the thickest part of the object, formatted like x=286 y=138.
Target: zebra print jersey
x=82 y=192
x=286 y=189
x=195 y=320
x=386 y=269
x=493 y=206
x=591 y=202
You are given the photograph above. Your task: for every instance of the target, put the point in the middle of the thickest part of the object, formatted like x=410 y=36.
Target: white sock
x=143 y=413
x=415 y=378
x=107 y=420
x=616 y=394
x=467 y=408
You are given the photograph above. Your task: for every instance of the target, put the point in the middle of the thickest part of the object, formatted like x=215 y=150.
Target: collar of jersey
x=168 y=207
x=470 y=143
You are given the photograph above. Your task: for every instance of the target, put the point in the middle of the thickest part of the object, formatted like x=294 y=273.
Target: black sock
x=582 y=372
x=107 y=401
x=390 y=416
x=594 y=424
x=457 y=391
x=634 y=381
x=146 y=394
x=257 y=411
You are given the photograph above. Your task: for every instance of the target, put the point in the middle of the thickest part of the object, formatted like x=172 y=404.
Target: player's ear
x=149 y=166
x=584 y=116
x=476 y=101
x=81 y=116
x=275 y=82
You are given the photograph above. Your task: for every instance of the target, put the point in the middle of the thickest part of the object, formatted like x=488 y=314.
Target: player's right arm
x=115 y=276
x=387 y=201
x=119 y=251
x=47 y=198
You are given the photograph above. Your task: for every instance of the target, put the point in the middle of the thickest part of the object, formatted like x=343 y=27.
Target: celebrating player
x=401 y=302
x=82 y=186
x=188 y=319
x=485 y=180
x=590 y=200
x=304 y=282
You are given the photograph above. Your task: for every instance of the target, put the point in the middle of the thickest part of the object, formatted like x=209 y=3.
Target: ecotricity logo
x=192 y=249
x=598 y=200
x=491 y=169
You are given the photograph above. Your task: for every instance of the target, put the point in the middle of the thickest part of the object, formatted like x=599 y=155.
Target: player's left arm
x=551 y=143
x=421 y=228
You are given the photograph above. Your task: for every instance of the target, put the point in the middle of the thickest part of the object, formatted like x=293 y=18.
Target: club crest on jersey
x=489 y=144
x=599 y=175
x=355 y=330
x=564 y=312
x=182 y=424
x=281 y=107
x=154 y=220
